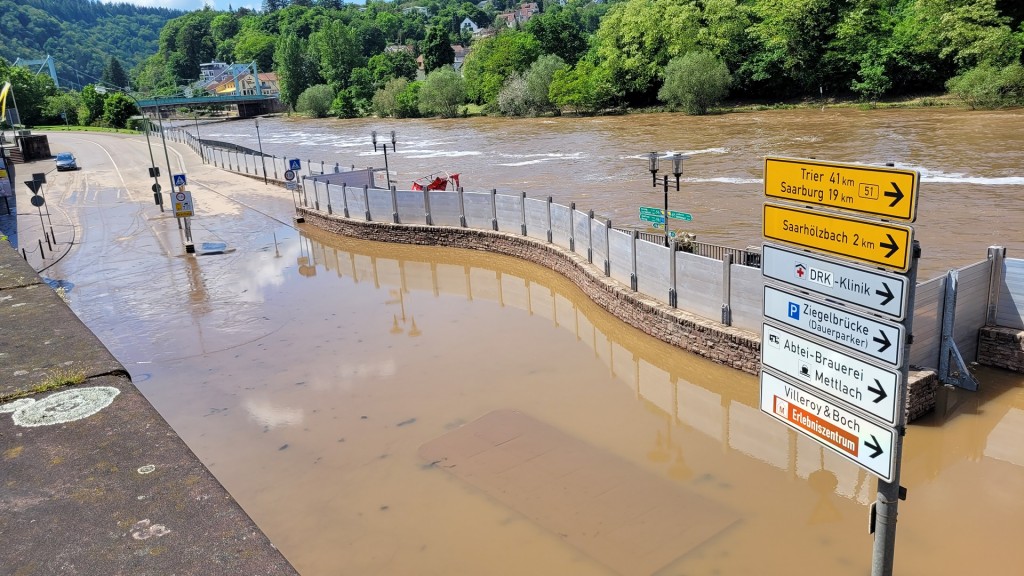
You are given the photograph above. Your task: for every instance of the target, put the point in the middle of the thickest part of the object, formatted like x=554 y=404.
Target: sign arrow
x=879 y=391
x=884 y=341
x=898 y=194
x=876 y=447
x=887 y=295
x=892 y=246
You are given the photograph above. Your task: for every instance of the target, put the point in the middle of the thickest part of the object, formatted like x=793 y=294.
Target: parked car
x=66 y=161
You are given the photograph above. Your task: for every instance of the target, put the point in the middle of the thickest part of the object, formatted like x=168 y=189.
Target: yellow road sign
x=863 y=240
x=882 y=192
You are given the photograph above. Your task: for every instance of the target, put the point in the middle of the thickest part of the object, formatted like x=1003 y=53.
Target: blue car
x=66 y=161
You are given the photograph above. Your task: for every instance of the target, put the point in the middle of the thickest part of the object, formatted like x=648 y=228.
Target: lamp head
x=373 y=136
x=392 y=140
x=677 y=164
x=653 y=159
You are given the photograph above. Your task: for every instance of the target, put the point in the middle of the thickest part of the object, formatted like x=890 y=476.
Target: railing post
x=633 y=280
x=996 y=254
x=523 y=206
x=608 y=247
x=590 y=237
x=551 y=235
x=494 y=209
x=572 y=227
x=316 y=195
x=673 y=295
x=727 y=289
x=330 y=210
x=344 y=200
x=462 y=208
x=394 y=205
x=366 y=203
x=426 y=206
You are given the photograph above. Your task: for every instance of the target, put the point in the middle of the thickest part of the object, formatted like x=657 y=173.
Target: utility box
x=34 y=147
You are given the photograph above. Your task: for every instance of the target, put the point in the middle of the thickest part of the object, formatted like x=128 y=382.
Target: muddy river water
x=383 y=409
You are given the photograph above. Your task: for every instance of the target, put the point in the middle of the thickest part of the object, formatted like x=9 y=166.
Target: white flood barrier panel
x=653 y=270
x=971 y=307
x=444 y=207
x=411 y=209
x=381 y=209
x=561 y=226
x=927 y=323
x=510 y=213
x=537 y=219
x=478 y=210
x=621 y=255
x=1010 y=306
x=600 y=242
x=581 y=231
x=747 y=297
x=699 y=285
x=356 y=203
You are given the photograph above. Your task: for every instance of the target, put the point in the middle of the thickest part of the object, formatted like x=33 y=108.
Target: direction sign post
x=863 y=240
x=883 y=192
x=844 y=431
x=870 y=289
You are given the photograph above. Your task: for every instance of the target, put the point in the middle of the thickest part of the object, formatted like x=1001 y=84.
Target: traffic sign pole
x=886 y=505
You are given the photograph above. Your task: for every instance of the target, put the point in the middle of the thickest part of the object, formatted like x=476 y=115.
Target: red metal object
x=436 y=182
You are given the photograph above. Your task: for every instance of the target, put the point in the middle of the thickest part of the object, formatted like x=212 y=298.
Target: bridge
x=248 y=105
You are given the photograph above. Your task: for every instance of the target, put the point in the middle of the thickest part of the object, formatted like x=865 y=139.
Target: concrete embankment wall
x=94 y=480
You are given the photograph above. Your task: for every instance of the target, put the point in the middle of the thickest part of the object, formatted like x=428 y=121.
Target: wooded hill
x=81 y=35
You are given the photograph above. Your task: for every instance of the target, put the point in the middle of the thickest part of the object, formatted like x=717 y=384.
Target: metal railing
x=743 y=257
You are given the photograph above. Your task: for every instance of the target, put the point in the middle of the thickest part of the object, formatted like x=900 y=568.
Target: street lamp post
x=199 y=141
x=153 y=170
x=263 y=158
x=384 y=145
x=677 y=170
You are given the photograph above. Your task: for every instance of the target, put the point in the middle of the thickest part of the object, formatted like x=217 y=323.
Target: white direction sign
x=845 y=378
x=845 y=432
x=183 y=204
x=870 y=289
x=876 y=338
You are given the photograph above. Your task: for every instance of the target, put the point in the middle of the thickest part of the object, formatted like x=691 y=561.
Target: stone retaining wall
x=1001 y=347
x=726 y=345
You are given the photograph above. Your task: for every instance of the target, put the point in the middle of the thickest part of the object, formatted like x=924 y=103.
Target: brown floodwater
x=384 y=409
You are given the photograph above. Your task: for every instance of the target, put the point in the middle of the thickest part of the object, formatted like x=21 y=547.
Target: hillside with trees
x=589 y=56
x=81 y=35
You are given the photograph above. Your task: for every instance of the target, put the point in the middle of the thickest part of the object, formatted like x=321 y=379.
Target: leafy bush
x=315 y=101
x=986 y=86
x=399 y=98
x=538 y=81
x=442 y=92
x=695 y=82
x=585 y=88
x=514 y=98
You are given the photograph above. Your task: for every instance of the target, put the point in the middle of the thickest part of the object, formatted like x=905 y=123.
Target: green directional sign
x=651 y=211
x=656 y=218
x=680 y=215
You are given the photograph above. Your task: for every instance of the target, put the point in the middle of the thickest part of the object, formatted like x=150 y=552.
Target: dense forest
x=81 y=35
x=583 y=56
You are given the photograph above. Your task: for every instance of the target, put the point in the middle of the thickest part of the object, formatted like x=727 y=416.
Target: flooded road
x=339 y=389
x=970 y=163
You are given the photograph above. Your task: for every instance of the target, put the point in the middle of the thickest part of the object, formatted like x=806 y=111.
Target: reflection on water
x=316 y=428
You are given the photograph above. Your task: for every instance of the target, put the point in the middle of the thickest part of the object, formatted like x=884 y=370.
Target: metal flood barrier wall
x=990 y=292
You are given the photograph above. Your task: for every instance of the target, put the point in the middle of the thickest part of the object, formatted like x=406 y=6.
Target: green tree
x=442 y=93
x=695 y=82
x=975 y=32
x=514 y=98
x=387 y=65
x=117 y=109
x=296 y=69
x=491 y=60
x=398 y=99
x=637 y=38
x=583 y=88
x=437 y=49
x=114 y=74
x=315 y=101
x=63 y=104
x=92 y=104
x=538 y=81
x=560 y=31
x=187 y=42
x=255 y=46
x=337 y=52
x=987 y=86
x=30 y=91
